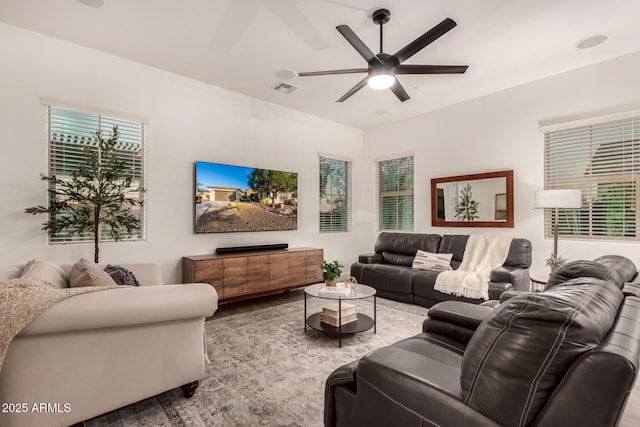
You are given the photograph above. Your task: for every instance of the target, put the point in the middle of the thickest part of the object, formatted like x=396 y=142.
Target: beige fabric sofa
x=99 y=351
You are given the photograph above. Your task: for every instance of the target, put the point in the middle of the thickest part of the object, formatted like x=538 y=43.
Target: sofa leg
x=189 y=389
x=80 y=424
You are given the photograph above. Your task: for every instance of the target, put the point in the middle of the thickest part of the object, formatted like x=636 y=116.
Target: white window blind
x=335 y=195
x=603 y=161
x=70 y=131
x=395 y=193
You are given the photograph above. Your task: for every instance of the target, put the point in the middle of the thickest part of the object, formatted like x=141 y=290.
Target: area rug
x=265 y=370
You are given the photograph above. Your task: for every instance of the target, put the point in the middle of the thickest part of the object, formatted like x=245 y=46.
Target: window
x=335 y=195
x=602 y=159
x=395 y=193
x=70 y=131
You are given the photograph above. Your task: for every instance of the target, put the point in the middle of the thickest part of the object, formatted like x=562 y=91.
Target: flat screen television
x=232 y=198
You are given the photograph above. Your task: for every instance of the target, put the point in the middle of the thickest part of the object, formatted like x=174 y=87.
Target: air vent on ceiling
x=285 y=87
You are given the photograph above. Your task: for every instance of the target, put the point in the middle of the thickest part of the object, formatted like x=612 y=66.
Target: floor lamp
x=557 y=199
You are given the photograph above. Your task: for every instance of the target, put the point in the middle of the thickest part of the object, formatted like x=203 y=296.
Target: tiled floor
x=631 y=417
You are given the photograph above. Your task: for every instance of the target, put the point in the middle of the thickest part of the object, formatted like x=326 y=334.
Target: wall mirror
x=477 y=200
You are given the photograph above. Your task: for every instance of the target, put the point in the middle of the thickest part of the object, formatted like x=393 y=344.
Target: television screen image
x=236 y=198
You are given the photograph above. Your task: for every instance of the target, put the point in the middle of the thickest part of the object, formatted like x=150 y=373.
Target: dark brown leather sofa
x=389 y=270
x=567 y=356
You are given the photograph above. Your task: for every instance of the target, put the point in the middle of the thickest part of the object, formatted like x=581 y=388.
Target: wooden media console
x=246 y=274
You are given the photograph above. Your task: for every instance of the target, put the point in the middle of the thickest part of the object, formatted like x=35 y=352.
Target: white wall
x=189 y=121
x=500 y=131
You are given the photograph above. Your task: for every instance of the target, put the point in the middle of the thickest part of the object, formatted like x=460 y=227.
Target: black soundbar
x=234 y=249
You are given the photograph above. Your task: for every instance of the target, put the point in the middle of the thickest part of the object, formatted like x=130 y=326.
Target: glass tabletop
x=320 y=290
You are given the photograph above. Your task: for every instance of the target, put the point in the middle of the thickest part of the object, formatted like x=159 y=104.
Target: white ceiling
x=241 y=44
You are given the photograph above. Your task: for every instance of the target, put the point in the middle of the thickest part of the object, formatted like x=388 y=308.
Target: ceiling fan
x=383 y=68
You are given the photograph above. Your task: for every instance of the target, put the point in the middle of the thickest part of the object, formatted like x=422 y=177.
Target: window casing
x=335 y=195
x=70 y=131
x=601 y=159
x=395 y=193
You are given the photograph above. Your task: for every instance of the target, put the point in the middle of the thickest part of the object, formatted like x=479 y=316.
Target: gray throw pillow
x=121 y=275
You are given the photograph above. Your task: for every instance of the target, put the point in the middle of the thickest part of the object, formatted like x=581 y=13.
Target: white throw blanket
x=482 y=254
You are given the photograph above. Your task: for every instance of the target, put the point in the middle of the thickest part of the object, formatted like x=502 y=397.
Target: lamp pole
x=555 y=233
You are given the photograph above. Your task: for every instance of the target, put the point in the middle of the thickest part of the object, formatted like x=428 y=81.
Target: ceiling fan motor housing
x=388 y=60
x=381 y=16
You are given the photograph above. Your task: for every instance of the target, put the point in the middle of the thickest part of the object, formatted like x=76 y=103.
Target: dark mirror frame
x=508 y=174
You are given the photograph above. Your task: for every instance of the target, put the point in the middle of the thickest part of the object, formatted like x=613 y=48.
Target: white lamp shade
x=563 y=199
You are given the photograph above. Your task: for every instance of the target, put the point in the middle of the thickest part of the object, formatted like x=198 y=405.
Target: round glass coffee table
x=362 y=322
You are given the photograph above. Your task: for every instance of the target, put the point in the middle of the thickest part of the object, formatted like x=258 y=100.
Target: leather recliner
x=567 y=356
x=459 y=320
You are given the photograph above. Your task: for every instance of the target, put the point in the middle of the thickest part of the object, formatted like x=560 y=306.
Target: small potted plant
x=555 y=262
x=330 y=272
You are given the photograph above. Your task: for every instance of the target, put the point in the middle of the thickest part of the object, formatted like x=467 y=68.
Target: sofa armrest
x=455 y=320
x=631 y=289
x=498 y=288
x=399 y=387
x=373 y=258
x=459 y=313
x=344 y=376
x=510 y=294
x=457 y=333
x=125 y=306
x=518 y=276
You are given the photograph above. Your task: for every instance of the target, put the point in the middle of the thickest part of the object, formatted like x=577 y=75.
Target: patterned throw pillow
x=430 y=261
x=121 y=275
x=86 y=273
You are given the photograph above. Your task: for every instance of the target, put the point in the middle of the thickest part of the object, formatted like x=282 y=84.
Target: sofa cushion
x=10 y=272
x=396 y=383
x=47 y=271
x=423 y=283
x=430 y=261
x=85 y=273
x=397 y=259
x=583 y=268
x=392 y=278
x=406 y=243
x=521 y=352
x=621 y=265
x=121 y=275
x=519 y=253
x=454 y=244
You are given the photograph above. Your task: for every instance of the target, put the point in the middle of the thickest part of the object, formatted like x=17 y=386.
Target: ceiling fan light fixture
x=382 y=67
x=382 y=80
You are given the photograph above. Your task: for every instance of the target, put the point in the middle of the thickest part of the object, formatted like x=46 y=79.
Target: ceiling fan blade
x=427 y=38
x=431 y=69
x=330 y=72
x=399 y=91
x=362 y=83
x=358 y=45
